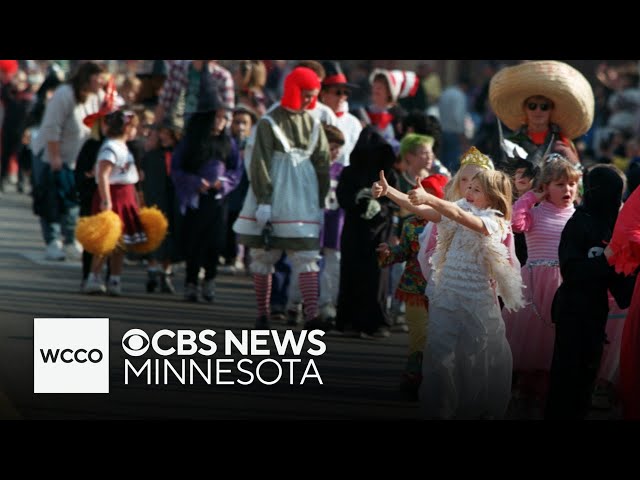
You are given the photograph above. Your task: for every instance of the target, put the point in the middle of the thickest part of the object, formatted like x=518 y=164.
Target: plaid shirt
x=178 y=79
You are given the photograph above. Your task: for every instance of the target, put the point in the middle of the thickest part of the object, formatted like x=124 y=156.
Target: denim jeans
x=65 y=229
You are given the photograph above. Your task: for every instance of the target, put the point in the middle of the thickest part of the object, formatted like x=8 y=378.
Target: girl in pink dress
x=541 y=214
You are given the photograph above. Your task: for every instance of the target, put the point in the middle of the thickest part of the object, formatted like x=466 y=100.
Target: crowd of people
x=503 y=261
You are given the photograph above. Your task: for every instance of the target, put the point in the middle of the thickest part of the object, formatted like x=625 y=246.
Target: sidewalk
x=360 y=378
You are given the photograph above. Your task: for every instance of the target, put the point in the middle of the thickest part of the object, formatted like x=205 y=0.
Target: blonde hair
x=452 y=189
x=496 y=185
x=556 y=167
x=472 y=157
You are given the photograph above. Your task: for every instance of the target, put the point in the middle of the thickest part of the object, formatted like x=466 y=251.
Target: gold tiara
x=473 y=156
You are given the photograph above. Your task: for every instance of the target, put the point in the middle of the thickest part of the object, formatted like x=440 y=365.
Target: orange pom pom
x=155 y=226
x=99 y=234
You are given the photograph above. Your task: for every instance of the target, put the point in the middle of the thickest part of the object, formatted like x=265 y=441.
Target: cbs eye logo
x=135 y=342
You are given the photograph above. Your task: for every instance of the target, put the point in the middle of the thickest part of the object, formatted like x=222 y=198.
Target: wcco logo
x=71 y=355
x=68 y=356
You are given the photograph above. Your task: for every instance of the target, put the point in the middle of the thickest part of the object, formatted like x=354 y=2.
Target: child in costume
x=362 y=297
x=116 y=175
x=530 y=331
x=412 y=285
x=158 y=190
x=86 y=163
x=467 y=361
x=416 y=155
x=525 y=174
x=581 y=304
x=332 y=228
x=205 y=168
x=235 y=255
x=471 y=163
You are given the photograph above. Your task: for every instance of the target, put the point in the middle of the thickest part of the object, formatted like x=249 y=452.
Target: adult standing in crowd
x=335 y=91
x=250 y=78
x=16 y=99
x=182 y=87
x=452 y=106
x=384 y=113
x=547 y=104
x=60 y=139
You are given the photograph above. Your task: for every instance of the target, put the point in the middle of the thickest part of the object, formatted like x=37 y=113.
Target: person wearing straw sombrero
x=547 y=104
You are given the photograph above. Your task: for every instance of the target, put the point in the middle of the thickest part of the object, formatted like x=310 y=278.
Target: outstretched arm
x=382 y=188
x=454 y=212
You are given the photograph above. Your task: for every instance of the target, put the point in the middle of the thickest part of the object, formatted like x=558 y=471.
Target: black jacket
x=586 y=275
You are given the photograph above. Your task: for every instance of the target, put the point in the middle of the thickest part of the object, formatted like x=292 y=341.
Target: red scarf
x=538 y=138
x=380 y=120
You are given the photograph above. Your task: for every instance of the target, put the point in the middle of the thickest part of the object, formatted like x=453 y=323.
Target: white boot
x=53 y=251
x=93 y=285
x=73 y=251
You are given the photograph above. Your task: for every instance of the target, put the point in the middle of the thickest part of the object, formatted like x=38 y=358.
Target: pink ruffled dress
x=530 y=332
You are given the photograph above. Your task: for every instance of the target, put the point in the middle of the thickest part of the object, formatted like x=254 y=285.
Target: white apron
x=295 y=212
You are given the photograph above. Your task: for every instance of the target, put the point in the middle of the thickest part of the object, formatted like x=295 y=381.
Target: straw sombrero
x=564 y=85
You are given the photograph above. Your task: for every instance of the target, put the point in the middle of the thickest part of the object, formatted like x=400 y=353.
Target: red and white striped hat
x=402 y=83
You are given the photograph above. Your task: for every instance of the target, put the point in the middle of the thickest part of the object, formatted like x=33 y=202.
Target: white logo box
x=71 y=355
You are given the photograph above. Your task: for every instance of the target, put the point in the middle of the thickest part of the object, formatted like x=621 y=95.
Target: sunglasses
x=345 y=91
x=543 y=106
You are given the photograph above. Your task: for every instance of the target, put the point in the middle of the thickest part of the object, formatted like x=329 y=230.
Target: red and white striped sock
x=262 y=286
x=309 y=288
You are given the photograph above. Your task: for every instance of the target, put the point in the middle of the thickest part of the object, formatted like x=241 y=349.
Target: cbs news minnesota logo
x=71 y=355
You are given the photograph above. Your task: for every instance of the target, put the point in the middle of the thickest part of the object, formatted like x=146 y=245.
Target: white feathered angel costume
x=467 y=360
